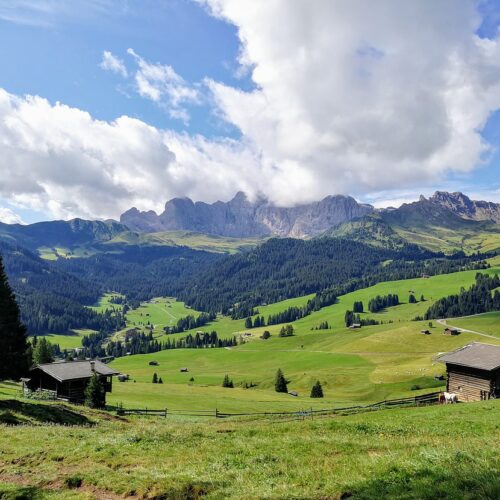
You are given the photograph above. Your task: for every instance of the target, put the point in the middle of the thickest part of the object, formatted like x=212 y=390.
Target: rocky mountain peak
x=464 y=207
x=241 y=217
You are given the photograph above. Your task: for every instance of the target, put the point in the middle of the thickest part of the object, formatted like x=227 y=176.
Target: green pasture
x=69 y=340
x=197 y=241
x=488 y=323
x=104 y=302
x=445 y=451
x=389 y=360
x=442 y=239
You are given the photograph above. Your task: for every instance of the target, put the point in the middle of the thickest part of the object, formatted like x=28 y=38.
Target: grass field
x=448 y=452
x=371 y=364
x=70 y=340
x=488 y=323
x=197 y=241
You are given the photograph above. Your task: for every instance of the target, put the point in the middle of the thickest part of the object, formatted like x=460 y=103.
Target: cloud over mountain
x=357 y=96
x=348 y=97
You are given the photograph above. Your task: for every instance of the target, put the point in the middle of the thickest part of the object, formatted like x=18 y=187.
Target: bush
x=73 y=481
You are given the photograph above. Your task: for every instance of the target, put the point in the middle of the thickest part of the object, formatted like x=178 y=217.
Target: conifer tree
x=248 y=323
x=155 y=378
x=412 y=299
x=280 y=384
x=14 y=360
x=317 y=390
x=227 y=382
x=160 y=381
x=43 y=352
x=95 y=396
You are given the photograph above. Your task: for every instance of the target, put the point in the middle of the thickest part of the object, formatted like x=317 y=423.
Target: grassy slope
x=74 y=338
x=197 y=241
x=447 y=451
x=367 y=365
x=488 y=323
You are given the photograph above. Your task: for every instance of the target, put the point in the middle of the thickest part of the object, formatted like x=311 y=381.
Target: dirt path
x=444 y=322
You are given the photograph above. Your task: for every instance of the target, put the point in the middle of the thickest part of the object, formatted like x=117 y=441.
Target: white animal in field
x=450 y=397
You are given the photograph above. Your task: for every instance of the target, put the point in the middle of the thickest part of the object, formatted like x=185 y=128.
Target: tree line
x=476 y=300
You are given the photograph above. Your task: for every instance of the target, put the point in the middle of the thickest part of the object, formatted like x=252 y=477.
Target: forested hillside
x=285 y=268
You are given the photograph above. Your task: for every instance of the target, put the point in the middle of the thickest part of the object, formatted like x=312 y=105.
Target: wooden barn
x=69 y=380
x=473 y=372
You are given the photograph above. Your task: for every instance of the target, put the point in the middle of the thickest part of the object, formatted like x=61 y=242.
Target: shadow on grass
x=15 y=412
x=439 y=480
x=20 y=493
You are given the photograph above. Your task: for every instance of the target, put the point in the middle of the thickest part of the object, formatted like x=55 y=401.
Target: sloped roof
x=73 y=370
x=476 y=355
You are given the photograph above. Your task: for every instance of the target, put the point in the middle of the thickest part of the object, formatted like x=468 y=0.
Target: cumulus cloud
x=112 y=63
x=60 y=159
x=160 y=83
x=360 y=96
x=8 y=216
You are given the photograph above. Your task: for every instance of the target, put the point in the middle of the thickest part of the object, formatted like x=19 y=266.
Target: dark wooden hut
x=69 y=380
x=473 y=372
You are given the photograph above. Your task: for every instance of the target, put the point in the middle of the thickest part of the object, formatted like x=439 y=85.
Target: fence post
x=216 y=413
x=165 y=412
x=312 y=414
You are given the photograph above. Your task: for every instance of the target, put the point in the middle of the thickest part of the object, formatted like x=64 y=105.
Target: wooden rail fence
x=423 y=399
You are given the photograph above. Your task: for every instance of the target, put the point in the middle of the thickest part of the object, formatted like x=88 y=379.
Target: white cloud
x=361 y=96
x=8 y=216
x=114 y=64
x=160 y=83
x=59 y=159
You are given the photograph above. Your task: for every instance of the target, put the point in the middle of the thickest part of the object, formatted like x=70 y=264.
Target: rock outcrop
x=241 y=217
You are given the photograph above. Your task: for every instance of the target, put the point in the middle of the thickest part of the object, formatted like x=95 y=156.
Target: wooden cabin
x=451 y=331
x=473 y=372
x=355 y=326
x=69 y=380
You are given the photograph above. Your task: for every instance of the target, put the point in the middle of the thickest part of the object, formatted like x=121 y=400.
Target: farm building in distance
x=473 y=372
x=69 y=380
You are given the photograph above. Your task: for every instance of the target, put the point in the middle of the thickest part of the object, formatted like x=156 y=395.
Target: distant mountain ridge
x=442 y=222
x=445 y=221
x=464 y=207
x=241 y=217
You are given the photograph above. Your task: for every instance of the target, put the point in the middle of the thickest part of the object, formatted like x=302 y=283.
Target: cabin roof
x=73 y=370
x=475 y=355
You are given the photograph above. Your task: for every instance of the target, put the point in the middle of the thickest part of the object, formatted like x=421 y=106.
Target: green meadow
x=191 y=239
x=488 y=323
x=446 y=451
x=390 y=360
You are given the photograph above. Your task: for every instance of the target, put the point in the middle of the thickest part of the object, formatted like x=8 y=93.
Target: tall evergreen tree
x=95 y=395
x=317 y=390
x=14 y=359
x=280 y=383
x=43 y=352
x=155 y=378
x=227 y=382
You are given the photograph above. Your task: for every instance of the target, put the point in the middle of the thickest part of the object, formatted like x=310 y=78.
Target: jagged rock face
x=466 y=208
x=241 y=217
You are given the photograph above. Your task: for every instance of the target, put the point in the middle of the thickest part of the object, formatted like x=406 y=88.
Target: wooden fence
x=423 y=399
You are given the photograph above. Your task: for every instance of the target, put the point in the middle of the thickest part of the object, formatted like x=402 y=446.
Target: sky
x=108 y=104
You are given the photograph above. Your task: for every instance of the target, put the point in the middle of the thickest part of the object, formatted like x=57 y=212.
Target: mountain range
x=443 y=222
x=242 y=218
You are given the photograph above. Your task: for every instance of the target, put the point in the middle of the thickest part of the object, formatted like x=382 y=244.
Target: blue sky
x=271 y=99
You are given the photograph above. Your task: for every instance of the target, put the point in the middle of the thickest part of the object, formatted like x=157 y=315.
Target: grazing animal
x=450 y=397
